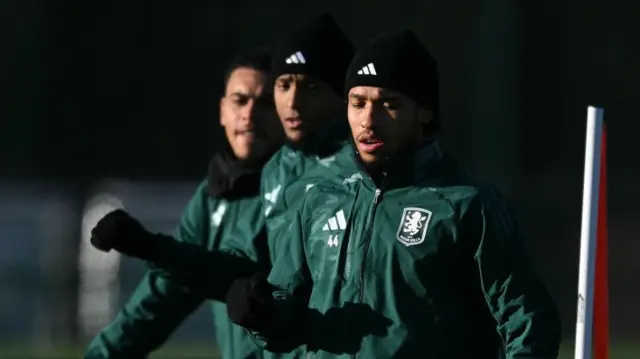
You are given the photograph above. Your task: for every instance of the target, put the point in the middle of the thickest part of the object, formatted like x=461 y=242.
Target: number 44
x=333 y=240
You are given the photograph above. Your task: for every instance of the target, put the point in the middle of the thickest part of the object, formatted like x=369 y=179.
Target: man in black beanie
x=400 y=254
x=309 y=67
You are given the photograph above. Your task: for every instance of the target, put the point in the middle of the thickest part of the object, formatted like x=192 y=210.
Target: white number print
x=333 y=240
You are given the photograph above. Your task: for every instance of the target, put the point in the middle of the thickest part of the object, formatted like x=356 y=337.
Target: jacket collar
x=231 y=178
x=418 y=166
x=328 y=139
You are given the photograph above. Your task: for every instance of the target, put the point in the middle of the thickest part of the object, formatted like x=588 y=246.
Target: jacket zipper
x=372 y=214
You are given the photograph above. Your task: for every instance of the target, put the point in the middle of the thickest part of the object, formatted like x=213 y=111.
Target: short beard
x=373 y=164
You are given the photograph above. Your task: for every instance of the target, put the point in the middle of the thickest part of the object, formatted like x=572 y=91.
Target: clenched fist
x=249 y=301
x=118 y=230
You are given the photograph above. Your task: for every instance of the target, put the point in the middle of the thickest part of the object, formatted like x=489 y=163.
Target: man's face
x=384 y=123
x=248 y=115
x=303 y=104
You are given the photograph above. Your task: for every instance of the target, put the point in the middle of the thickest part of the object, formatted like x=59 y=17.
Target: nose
x=367 y=120
x=249 y=111
x=294 y=97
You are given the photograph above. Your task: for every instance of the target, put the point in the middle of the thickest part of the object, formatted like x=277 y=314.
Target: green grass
x=187 y=352
x=618 y=351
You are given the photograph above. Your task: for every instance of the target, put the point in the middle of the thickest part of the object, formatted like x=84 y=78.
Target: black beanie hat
x=318 y=48
x=398 y=62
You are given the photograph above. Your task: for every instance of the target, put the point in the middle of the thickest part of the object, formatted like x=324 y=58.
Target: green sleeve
x=290 y=272
x=527 y=318
x=204 y=270
x=270 y=178
x=158 y=305
x=155 y=310
x=290 y=275
x=277 y=214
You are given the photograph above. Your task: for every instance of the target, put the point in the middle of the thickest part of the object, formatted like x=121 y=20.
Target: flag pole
x=588 y=233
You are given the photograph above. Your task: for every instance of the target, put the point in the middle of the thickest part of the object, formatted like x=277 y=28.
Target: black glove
x=117 y=230
x=249 y=302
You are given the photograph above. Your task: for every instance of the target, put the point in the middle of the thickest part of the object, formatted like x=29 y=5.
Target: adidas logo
x=296 y=58
x=273 y=195
x=326 y=161
x=216 y=217
x=271 y=198
x=354 y=177
x=368 y=70
x=336 y=222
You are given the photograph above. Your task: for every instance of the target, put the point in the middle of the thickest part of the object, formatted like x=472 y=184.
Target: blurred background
x=115 y=103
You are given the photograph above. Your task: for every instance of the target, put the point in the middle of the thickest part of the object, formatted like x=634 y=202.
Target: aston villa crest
x=413 y=226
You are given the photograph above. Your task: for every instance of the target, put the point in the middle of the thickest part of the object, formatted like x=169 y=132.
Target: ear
x=425 y=116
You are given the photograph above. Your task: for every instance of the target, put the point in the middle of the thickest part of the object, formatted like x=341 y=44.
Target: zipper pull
x=379 y=190
x=375 y=197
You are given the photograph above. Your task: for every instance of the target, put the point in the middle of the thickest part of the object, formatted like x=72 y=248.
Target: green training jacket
x=291 y=172
x=286 y=178
x=183 y=276
x=160 y=304
x=423 y=263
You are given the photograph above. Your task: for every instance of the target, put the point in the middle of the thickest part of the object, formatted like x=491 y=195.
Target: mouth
x=293 y=122
x=370 y=143
x=249 y=134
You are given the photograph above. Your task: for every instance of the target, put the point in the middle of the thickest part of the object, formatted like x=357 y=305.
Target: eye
x=357 y=104
x=283 y=86
x=240 y=100
x=391 y=105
